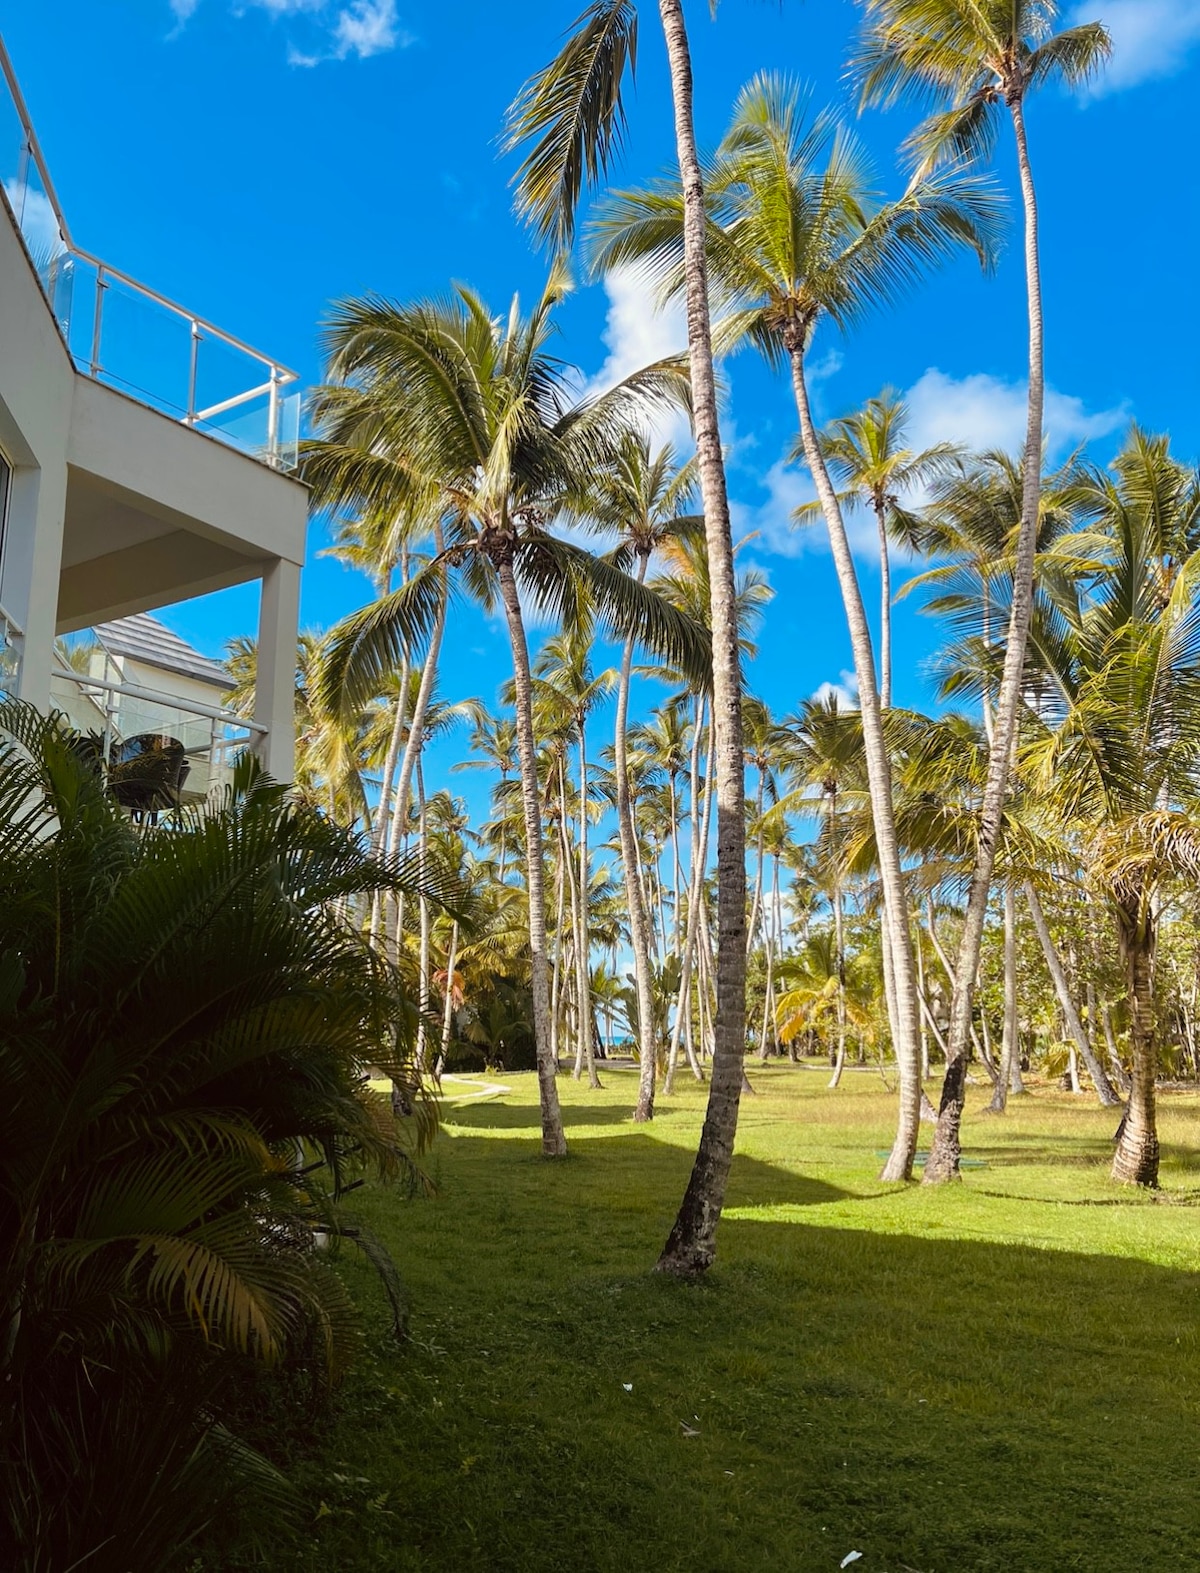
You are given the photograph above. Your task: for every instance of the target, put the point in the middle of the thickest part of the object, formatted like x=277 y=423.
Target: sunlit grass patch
x=998 y=1375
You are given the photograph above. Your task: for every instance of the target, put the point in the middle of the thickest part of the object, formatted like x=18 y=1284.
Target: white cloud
x=1151 y=38
x=983 y=411
x=36 y=218
x=980 y=411
x=845 y=691
x=638 y=332
x=329 y=31
x=368 y=28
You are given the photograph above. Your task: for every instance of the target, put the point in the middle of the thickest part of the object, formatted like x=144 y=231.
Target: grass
x=1001 y=1375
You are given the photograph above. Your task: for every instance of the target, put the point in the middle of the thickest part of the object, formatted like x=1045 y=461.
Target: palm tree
x=974 y=56
x=573 y=112
x=970 y=526
x=822 y=750
x=640 y=498
x=494 y=739
x=563 y=668
x=790 y=244
x=1113 y=744
x=478 y=421
x=185 y=1030
x=865 y=452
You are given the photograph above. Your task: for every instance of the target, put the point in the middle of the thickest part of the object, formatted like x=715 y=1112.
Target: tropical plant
x=1113 y=744
x=976 y=58
x=866 y=455
x=794 y=237
x=643 y=498
x=475 y=418
x=186 y=1027
x=573 y=114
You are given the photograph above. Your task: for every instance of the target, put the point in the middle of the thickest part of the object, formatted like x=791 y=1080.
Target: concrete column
x=275 y=689
x=29 y=589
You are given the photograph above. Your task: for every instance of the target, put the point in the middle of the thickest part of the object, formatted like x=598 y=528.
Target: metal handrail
x=280 y=376
x=10 y=623
x=168 y=701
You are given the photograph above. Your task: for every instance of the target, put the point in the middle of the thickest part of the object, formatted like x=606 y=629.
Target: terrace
x=146 y=457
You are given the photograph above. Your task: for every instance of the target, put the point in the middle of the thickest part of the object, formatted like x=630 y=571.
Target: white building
x=144 y=459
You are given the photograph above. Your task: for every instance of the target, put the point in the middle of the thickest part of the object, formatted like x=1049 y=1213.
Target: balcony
x=146 y=457
x=125 y=334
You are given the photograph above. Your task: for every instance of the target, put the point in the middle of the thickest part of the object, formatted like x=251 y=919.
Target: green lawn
x=999 y=1375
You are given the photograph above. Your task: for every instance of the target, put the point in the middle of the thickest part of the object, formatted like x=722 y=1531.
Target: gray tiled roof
x=144 y=638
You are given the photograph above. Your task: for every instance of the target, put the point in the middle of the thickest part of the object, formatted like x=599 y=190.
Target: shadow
x=612 y=1162
x=936 y=1403
x=496 y=1115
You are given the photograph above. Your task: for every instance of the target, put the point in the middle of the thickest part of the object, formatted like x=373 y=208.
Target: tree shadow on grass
x=611 y=1163
x=942 y=1405
x=494 y=1115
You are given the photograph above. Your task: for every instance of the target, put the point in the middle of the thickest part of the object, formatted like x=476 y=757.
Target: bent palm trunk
x=1104 y=1088
x=946 y=1149
x=896 y=936
x=691 y=1244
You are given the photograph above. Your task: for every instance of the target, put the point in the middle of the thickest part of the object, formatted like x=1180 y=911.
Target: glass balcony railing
x=127 y=335
x=197 y=744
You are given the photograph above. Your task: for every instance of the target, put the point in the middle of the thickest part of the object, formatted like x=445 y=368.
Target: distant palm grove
x=673 y=887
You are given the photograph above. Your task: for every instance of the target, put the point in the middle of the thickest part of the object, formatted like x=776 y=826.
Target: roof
x=143 y=638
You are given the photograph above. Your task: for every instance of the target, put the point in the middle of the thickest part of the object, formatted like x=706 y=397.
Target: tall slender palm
x=643 y=497
x=472 y=412
x=564 y=666
x=494 y=739
x=976 y=58
x=572 y=111
x=867 y=456
x=795 y=237
x=822 y=751
x=1114 y=744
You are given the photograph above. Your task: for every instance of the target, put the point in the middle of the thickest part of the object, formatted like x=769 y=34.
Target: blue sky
x=255 y=159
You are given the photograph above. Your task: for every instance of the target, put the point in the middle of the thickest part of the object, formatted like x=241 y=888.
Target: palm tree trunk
x=423 y=996
x=1136 y=1159
x=839 y=942
x=560 y=897
x=756 y=902
x=1008 y=1046
x=691 y=1245
x=416 y=729
x=885 y=610
x=691 y=936
x=639 y=924
x=554 y=1141
x=923 y=1004
x=1104 y=1088
x=448 y=1002
x=879 y=778
x=583 y=952
x=946 y=1150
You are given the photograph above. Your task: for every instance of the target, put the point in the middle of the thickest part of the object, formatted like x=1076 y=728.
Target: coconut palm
x=643 y=499
x=822 y=754
x=572 y=112
x=563 y=668
x=475 y=418
x=795 y=237
x=976 y=58
x=1112 y=749
x=867 y=456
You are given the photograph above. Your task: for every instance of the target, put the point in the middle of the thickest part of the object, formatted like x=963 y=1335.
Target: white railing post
x=273 y=418
x=97 y=321
x=190 y=417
